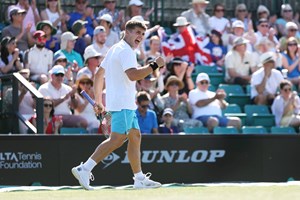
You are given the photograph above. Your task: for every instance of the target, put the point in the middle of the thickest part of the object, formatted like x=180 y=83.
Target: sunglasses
x=287 y=89
x=85 y=82
x=46 y=105
x=204 y=82
x=292 y=44
x=61 y=60
x=242 y=10
x=293 y=30
x=174 y=84
x=51 y=0
x=287 y=11
x=144 y=106
x=264 y=25
x=220 y=10
x=263 y=12
x=59 y=75
x=110 y=2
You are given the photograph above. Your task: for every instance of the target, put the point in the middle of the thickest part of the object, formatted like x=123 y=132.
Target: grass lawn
x=169 y=193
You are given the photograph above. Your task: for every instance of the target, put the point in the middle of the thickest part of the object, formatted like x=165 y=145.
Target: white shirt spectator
x=219 y=24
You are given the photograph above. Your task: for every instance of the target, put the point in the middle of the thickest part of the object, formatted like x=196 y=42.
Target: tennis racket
x=104 y=117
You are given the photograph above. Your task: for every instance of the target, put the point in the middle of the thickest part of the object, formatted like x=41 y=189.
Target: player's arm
x=98 y=87
x=135 y=74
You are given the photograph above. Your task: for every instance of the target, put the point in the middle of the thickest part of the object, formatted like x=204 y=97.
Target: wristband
x=153 y=65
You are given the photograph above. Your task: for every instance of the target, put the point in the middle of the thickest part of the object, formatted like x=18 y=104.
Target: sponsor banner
x=176 y=158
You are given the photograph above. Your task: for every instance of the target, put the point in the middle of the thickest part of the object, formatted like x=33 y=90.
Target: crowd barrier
x=170 y=158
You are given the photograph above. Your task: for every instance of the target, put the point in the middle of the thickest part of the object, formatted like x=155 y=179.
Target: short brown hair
x=284 y=83
x=132 y=24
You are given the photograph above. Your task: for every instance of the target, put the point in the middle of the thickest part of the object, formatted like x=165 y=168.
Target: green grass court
x=226 y=192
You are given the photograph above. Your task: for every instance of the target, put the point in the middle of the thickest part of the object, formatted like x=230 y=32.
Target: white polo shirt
x=242 y=66
x=48 y=90
x=272 y=82
x=212 y=108
x=39 y=60
x=120 y=90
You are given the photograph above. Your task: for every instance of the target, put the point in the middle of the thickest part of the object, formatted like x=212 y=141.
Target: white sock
x=89 y=164
x=140 y=175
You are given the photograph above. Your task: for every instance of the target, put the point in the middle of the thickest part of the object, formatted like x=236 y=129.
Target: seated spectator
x=291 y=61
x=22 y=34
x=198 y=17
x=99 y=40
x=218 y=22
x=183 y=71
x=92 y=61
x=154 y=50
x=60 y=59
x=208 y=105
x=262 y=12
x=63 y=97
x=55 y=15
x=67 y=45
x=117 y=15
x=265 y=81
x=286 y=16
x=239 y=63
x=286 y=106
x=216 y=49
x=84 y=108
x=52 y=123
x=241 y=13
x=167 y=126
x=147 y=118
x=111 y=37
x=264 y=46
x=79 y=30
x=38 y=59
x=86 y=13
x=32 y=15
x=135 y=8
x=52 y=42
x=238 y=30
x=179 y=104
x=291 y=31
x=265 y=31
x=10 y=56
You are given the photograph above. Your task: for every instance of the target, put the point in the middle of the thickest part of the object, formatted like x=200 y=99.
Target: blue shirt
x=295 y=72
x=73 y=55
x=162 y=129
x=148 y=122
x=216 y=51
x=80 y=46
x=89 y=26
x=56 y=46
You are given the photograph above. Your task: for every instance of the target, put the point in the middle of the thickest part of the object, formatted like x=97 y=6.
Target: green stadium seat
x=70 y=131
x=254 y=130
x=206 y=69
x=196 y=130
x=283 y=130
x=232 y=89
x=225 y=130
x=259 y=115
x=234 y=110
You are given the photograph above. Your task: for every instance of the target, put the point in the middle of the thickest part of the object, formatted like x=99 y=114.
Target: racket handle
x=90 y=100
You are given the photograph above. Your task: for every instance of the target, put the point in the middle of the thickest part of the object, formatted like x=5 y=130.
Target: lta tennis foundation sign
x=171 y=156
x=20 y=160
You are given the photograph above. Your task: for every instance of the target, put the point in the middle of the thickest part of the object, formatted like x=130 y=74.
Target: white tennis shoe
x=83 y=176
x=146 y=182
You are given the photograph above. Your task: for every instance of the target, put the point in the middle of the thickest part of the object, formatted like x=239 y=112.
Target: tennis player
x=121 y=73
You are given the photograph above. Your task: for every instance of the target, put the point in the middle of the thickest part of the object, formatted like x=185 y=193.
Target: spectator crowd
x=59 y=53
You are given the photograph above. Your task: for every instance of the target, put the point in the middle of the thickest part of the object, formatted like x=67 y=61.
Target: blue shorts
x=223 y=121
x=124 y=120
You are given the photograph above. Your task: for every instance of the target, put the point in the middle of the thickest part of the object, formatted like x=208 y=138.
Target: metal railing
x=9 y=105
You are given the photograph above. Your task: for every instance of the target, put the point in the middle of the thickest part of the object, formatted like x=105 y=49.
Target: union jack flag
x=187 y=45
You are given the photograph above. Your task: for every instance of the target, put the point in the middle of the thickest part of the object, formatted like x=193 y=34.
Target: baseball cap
x=43 y=23
x=168 y=111
x=202 y=76
x=291 y=25
x=65 y=37
x=15 y=10
x=90 y=52
x=57 y=69
x=135 y=2
x=78 y=25
x=99 y=29
x=106 y=17
x=58 y=56
x=38 y=34
x=7 y=40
